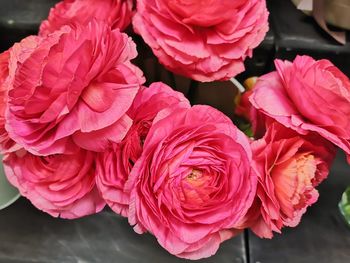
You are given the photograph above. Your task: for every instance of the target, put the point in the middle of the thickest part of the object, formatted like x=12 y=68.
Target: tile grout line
x=246 y=245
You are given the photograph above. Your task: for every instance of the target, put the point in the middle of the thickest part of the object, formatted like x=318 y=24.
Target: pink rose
x=6 y=143
x=71 y=88
x=60 y=185
x=289 y=167
x=204 y=40
x=117 y=13
x=114 y=165
x=307 y=95
x=193 y=183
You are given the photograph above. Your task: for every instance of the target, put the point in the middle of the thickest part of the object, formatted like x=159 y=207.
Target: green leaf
x=246 y=128
x=8 y=194
x=344 y=205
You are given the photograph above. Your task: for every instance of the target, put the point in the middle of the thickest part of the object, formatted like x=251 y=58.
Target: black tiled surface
x=296 y=33
x=20 y=18
x=29 y=235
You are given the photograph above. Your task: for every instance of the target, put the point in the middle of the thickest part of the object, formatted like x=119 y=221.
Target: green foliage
x=344 y=205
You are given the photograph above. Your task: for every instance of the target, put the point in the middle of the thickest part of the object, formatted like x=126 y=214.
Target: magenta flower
x=193 y=183
x=203 y=40
x=307 y=95
x=289 y=167
x=71 y=88
x=60 y=185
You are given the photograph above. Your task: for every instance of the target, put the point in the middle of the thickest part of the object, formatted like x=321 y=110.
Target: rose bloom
x=245 y=110
x=114 y=165
x=193 y=183
x=307 y=95
x=203 y=40
x=117 y=13
x=289 y=167
x=6 y=143
x=71 y=88
x=60 y=185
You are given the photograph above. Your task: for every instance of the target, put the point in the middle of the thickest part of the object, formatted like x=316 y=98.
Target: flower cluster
x=299 y=113
x=79 y=130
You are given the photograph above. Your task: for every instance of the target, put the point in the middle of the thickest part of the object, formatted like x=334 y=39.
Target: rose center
x=293 y=183
x=143 y=130
x=194 y=175
x=196 y=188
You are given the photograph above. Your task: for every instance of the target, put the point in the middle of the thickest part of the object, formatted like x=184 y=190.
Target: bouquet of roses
x=80 y=131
